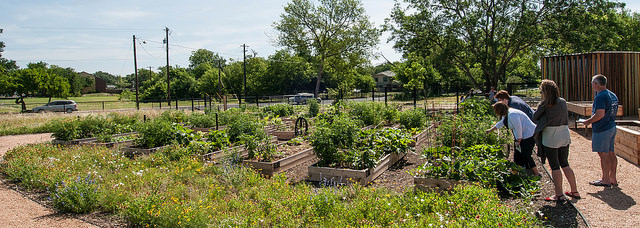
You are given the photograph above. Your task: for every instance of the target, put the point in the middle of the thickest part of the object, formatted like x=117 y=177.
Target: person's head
x=500 y=109
x=503 y=97
x=493 y=88
x=549 y=91
x=599 y=82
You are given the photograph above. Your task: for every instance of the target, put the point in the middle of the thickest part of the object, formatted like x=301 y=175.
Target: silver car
x=58 y=106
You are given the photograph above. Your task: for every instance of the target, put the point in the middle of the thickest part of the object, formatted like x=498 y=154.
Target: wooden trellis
x=573 y=75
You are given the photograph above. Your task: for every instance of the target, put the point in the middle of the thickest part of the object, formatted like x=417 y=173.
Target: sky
x=95 y=36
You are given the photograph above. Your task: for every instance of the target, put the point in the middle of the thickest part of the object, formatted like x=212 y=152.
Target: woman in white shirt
x=523 y=129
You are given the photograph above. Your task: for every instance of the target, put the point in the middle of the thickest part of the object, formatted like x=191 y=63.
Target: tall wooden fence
x=573 y=75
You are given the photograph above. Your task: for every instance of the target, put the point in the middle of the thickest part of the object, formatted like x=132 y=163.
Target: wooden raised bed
x=583 y=108
x=135 y=151
x=427 y=184
x=207 y=129
x=125 y=143
x=627 y=144
x=269 y=168
x=216 y=156
x=421 y=137
x=343 y=176
x=85 y=140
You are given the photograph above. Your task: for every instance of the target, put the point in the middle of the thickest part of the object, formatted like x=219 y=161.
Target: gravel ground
x=17 y=209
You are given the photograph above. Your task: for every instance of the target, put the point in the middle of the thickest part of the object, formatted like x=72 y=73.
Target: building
x=99 y=84
x=573 y=74
x=385 y=79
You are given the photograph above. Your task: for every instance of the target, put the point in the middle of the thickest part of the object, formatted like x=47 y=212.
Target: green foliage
x=242 y=125
x=466 y=131
x=331 y=135
x=173 y=116
x=486 y=164
x=157 y=191
x=371 y=113
x=279 y=109
x=160 y=132
x=477 y=107
x=352 y=34
x=203 y=120
x=314 y=107
x=92 y=126
x=79 y=196
x=218 y=139
x=412 y=118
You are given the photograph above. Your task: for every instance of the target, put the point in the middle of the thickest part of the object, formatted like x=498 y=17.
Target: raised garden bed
x=207 y=129
x=422 y=136
x=216 y=156
x=427 y=184
x=291 y=156
x=344 y=176
x=627 y=144
x=125 y=143
x=84 y=141
x=137 y=151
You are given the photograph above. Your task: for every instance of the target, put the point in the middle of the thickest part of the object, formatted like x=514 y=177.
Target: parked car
x=301 y=98
x=58 y=106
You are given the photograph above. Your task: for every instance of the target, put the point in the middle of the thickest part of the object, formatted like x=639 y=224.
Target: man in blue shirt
x=603 y=119
x=514 y=102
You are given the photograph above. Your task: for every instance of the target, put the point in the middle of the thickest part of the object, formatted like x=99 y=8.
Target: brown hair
x=550 y=92
x=501 y=109
x=502 y=94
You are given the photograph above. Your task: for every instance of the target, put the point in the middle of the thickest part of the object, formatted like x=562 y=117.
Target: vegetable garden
x=230 y=171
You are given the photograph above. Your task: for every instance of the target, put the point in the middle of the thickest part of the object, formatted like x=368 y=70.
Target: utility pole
x=244 y=68
x=168 y=78
x=135 y=66
x=219 y=79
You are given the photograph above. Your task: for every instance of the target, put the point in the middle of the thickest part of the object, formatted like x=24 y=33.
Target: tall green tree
x=288 y=73
x=334 y=28
x=208 y=83
x=201 y=56
x=487 y=34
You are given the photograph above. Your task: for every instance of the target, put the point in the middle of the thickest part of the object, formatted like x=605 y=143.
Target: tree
x=335 y=28
x=109 y=78
x=487 y=34
x=288 y=74
x=416 y=73
x=201 y=56
x=208 y=83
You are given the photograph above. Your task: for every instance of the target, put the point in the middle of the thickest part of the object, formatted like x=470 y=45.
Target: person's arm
x=595 y=117
x=498 y=125
x=539 y=111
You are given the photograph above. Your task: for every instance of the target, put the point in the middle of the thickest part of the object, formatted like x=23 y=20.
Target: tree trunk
x=319 y=77
x=49 y=100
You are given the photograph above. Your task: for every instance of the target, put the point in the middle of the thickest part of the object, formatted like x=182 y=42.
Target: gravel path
x=17 y=210
x=604 y=207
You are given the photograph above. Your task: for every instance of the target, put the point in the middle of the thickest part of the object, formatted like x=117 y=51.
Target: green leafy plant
x=279 y=109
x=79 y=196
x=412 y=118
x=314 y=107
x=486 y=164
x=476 y=107
x=160 y=132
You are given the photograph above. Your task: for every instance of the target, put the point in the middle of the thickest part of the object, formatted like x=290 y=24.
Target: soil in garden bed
x=285 y=150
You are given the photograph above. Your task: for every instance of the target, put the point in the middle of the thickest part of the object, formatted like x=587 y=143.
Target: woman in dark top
x=553 y=128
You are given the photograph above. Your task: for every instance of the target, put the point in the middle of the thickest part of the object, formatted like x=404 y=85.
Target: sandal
x=574 y=195
x=599 y=183
x=559 y=198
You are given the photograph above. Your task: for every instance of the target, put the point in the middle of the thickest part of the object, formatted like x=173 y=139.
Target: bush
x=314 y=107
x=477 y=107
x=160 y=133
x=202 y=120
x=340 y=132
x=244 y=124
x=466 y=131
x=369 y=113
x=79 y=196
x=279 y=109
x=412 y=118
x=486 y=164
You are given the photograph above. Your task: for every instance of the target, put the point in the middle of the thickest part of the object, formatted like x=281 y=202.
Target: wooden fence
x=573 y=75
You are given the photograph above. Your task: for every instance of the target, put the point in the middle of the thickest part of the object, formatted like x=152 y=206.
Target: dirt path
x=17 y=210
x=604 y=207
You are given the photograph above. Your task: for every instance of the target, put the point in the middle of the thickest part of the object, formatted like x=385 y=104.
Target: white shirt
x=556 y=136
x=519 y=123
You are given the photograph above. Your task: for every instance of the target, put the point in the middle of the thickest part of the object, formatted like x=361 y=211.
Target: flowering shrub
x=79 y=196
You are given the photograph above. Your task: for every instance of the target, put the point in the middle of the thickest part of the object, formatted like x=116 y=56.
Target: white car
x=301 y=98
x=58 y=106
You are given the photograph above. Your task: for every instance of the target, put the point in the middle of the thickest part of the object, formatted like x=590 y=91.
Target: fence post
x=160 y=103
x=177 y=103
x=103 y=106
x=257 y=101
x=217 y=120
x=192 y=104
x=385 y=96
x=415 y=97
x=373 y=95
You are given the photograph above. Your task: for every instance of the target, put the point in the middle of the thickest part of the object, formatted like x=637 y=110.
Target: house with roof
x=385 y=79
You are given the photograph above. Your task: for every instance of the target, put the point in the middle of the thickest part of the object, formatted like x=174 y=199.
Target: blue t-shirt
x=608 y=101
x=518 y=103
